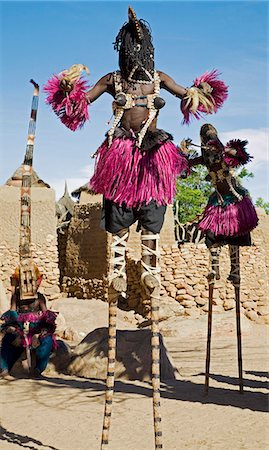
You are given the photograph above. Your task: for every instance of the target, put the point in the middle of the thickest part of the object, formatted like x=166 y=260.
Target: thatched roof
x=15 y=179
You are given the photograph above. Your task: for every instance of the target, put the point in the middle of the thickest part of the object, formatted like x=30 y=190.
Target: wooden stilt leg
x=151 y=282
x=117 y=284
x=234 y=277
x=113 y=297
x=209 y=331
x=213 y=274
x=239 y=340
x=155 y=348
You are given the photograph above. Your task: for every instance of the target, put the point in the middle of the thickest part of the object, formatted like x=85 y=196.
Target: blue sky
x=41 y=38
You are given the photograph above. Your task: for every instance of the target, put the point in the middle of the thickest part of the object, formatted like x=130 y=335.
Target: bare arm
x=13 y=303
x=195 y=161
x=42 y=302
x=171 y=86
x=105 y=84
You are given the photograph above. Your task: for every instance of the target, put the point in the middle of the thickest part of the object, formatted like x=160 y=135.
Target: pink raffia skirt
x=234 y=219
x=127 y=175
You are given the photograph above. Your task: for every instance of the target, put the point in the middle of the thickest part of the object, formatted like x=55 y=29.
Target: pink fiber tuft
x=34 y=317
x=126 y=175
x=71 y=107
x=232 y=220
x=218 y=95
x=241 y=156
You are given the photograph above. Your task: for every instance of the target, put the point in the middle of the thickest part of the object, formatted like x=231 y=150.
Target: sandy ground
x=66 y=413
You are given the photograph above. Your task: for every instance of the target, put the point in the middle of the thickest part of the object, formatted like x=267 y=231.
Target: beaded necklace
x=130 y=102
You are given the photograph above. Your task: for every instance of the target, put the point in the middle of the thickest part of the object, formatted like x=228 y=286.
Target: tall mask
x=136 y=51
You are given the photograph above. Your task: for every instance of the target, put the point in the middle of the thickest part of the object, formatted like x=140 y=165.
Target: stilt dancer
x=28 y=323
x=137 y=167
x=228 y=219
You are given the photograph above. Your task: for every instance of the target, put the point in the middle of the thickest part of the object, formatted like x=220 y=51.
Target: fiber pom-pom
x=38 y=316
x=219 y=88
x=206 y=96
x=235 y=153
x=71 y=107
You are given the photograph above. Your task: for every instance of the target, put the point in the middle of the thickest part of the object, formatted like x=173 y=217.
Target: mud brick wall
x=86 y=247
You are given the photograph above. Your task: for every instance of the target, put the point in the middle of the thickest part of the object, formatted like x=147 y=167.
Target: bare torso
x=134 y=117
x=221 y=185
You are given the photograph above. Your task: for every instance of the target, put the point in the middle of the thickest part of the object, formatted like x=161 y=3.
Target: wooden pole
x=235 y=279
x=239 y=340
x=110 y=380
x=155 y=350
x=209 y=332
x=213 y=274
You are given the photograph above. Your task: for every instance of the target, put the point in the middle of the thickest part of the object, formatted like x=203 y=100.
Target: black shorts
x=115 y=217
x=241 y=241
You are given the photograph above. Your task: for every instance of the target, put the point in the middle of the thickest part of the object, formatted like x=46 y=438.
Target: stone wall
x=183 y=279
x=43 y=236
x=183 y=268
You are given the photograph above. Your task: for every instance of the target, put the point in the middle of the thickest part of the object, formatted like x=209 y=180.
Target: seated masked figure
x=28 y=325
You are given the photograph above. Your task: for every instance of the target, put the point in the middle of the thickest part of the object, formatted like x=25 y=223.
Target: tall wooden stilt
x=151 y=281
x=213 y=274
x=234 y=277
x=155 y=349
x=209 y=332
x=110 y=381
x=117 y=286
x=239 y=339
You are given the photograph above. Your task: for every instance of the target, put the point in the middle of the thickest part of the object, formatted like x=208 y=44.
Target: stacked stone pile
x=9 y=259
x=81 y=288
x=183 y=279
x=45 y=257
x=184 y=269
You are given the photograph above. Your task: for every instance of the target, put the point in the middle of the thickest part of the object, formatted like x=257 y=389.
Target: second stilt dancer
x=228 y=219
x=136 y=168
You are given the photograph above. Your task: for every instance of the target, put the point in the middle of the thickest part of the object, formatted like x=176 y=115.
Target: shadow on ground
x=180 y=390
x=22 y=441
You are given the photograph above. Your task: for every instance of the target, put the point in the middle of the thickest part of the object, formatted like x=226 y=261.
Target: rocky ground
x=63 y=412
